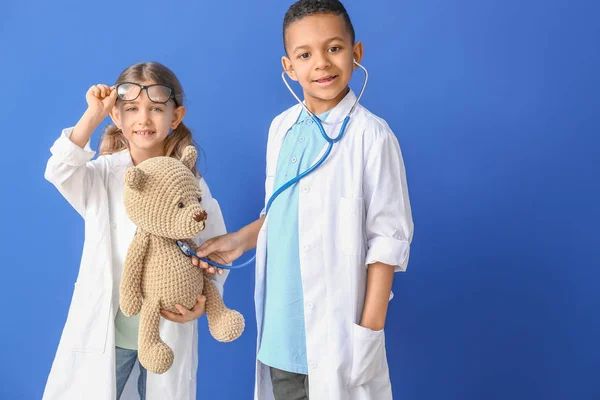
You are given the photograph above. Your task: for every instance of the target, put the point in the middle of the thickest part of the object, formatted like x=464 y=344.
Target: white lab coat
x=353 y=211
x=84 y=365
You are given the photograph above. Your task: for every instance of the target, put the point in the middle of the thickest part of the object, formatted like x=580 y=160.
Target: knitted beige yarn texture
x=162 y=197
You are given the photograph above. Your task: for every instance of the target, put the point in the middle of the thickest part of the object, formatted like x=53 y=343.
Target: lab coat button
x=294 y=159
x=301 y=138
x=309 y=306
x=314 y=365
x=306 y=189
x=306 y=247
x=113 y=225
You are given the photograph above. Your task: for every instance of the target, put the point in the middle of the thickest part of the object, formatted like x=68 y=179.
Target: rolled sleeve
x=71 y=170
x=68 y=153
x=389 y=224
x=389 y=251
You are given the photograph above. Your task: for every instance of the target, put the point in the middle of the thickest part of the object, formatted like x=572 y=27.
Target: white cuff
x=388 y=251
x=68 y=152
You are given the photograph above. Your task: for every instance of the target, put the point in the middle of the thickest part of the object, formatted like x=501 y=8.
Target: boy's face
x=319 y=56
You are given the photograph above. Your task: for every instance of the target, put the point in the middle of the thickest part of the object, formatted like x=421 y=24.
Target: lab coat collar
x=119 y=162
x=340 y=111
x=123 y=158
x=337 y=114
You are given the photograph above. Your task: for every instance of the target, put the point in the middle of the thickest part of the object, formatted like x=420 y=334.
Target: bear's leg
x=224 y=324
x=154 y=354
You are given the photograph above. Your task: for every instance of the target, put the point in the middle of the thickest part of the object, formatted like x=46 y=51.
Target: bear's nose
x=200 y=217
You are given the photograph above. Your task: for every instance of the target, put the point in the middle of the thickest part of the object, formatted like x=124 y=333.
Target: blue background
x=496 y=107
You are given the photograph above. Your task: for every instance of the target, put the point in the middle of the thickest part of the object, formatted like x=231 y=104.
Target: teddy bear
x=163 y=199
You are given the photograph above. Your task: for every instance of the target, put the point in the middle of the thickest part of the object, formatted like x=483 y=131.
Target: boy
x=324 y=271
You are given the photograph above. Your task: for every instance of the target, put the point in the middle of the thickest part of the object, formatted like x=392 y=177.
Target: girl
x=98 y=348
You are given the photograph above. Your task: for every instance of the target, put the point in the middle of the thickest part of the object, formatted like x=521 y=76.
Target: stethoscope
x=188 y=251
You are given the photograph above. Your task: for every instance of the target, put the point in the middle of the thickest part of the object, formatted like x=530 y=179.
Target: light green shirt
x=126 y=331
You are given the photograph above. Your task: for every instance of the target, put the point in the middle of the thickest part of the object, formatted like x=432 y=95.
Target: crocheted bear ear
x=189 y=157
x=135 y=178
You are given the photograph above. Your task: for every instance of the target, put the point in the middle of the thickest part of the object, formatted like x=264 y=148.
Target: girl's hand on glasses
x=101 y=99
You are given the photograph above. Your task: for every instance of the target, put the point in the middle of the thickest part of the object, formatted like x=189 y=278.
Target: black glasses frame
x=142 y=87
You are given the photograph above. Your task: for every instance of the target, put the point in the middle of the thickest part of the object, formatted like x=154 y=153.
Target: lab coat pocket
x=368 y=355
x=87 y=323
x=349 y=236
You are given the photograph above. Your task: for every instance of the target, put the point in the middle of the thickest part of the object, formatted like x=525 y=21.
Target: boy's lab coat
x=84 y=365
x=353 y=211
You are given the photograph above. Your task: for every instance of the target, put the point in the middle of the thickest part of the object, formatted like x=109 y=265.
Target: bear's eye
x=180 y=205
x=200 y=199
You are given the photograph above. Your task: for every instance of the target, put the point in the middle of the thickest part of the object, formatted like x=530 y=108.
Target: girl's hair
x=113 y=140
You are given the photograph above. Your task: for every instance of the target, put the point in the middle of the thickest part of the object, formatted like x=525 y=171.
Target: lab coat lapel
x=121 y=162
x=277 y=140
x=338 y=114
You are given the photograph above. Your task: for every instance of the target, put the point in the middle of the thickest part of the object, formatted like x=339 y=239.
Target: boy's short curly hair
x=305 y=8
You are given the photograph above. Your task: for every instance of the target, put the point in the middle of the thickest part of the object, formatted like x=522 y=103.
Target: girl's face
x=146 y=124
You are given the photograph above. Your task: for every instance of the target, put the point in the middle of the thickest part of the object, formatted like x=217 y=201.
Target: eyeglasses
x=129 y=91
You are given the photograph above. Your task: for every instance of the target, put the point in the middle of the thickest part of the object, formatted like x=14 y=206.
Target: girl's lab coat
x=84 y=365
x=353 y=211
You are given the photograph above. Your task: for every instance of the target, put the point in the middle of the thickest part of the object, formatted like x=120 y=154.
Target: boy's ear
x=178 y=115
x=358 y=52
x=287 y=67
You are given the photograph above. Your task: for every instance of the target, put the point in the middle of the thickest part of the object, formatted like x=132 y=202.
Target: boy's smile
x=326 y=81
x=319 y=56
